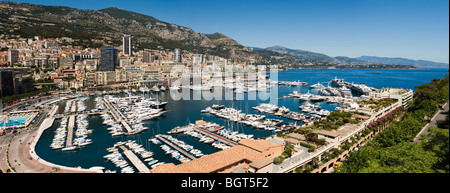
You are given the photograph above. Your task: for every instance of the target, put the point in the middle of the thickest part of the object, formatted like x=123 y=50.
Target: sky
x=414 y=29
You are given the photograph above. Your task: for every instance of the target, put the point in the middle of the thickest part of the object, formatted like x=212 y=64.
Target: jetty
x=70 y=131
x=175 y=147
x=137 y=163
x=74 y=107
x=215 y=136
x=118 y=116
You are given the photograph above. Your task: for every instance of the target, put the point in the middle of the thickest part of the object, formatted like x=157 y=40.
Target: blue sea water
x=182 y=112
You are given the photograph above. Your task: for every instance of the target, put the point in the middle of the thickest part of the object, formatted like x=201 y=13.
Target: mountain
x=109 y=25
x=363 y=60
x=301 y=54
x=403 y=61
x=95 y=28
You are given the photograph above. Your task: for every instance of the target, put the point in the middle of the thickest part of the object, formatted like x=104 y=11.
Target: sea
x=182 y=112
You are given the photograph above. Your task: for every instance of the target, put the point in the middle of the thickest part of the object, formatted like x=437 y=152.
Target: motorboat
x=317 y=86
x=155 y=89
x=337 y=82
x=71 y=148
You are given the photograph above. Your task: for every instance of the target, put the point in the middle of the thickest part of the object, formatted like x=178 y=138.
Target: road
x=440 y=115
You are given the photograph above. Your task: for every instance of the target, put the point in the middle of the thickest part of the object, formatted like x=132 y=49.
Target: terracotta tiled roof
x=249 y=150
x=211 y=163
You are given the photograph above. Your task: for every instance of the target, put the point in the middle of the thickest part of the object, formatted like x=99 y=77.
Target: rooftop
x=249 y=150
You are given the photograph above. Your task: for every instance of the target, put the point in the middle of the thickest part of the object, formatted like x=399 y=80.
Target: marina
x=181 y=113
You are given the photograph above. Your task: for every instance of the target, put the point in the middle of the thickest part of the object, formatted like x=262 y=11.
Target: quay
x=216 y=137
x=175 y=147
x=70 y=131
x=135 y=160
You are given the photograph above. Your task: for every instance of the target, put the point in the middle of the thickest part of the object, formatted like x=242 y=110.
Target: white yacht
x=155 y=89
x=144 y=89
x=305 y=97
x=317 y=86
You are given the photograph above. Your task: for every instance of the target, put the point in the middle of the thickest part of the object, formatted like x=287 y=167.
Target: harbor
x=178 y=115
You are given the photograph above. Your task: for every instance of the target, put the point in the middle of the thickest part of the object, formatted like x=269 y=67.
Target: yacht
x=316 y=98
x=305 y=97
x=323 y=92
x=162 y=88
x=144 y=89
x=155 y=89
x=345 y=92
x=158 y=104
x=361 y=88
x=337 y=82
x=70 y=148
x=317 y=86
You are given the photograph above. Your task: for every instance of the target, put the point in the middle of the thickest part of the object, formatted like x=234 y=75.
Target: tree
x=402 y=158
x=437 y=141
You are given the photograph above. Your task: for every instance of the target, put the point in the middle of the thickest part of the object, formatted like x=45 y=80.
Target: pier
x=216 y=137
x=70 y=131
x=73 y=107
x=135 y=160
x=118 y=116
x=175 y=147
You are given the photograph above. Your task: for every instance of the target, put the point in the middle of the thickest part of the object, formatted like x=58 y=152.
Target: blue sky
x=415 y=29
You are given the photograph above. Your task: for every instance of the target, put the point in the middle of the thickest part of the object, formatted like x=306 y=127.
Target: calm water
x=183 y=112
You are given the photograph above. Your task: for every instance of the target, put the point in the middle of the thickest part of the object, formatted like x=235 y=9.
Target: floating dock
x=176 y=147
x=135 y=160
